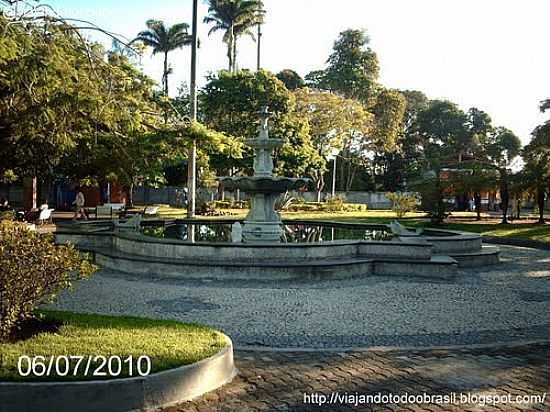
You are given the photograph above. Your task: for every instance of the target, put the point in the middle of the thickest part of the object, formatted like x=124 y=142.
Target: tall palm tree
x=164 y=39
x=235 y=18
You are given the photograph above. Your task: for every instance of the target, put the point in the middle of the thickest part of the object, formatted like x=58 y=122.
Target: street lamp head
x=332 y=154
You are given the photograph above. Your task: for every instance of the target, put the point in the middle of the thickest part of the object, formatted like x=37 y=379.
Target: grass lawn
x=464 y=221
x=168 y=344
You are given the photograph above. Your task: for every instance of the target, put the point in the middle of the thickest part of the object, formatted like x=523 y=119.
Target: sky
x=491 y=54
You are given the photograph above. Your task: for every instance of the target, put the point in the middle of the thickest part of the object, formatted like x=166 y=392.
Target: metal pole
x=259 y=64
x=334 y=178
x=192 y=161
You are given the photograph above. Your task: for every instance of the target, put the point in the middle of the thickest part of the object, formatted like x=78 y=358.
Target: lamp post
x=333 y=155
x=192 y=161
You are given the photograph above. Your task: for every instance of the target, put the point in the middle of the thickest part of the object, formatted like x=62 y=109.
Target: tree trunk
x=540 y=202
x=351 y=176
x=230 y=57
x=504 y=195
x=230 y=49
x=165 y=85
x=234 y=55
x=131 y=194
x=320 y=184
x=166 y=74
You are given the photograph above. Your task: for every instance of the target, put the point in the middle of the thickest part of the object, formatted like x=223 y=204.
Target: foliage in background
x=33 y=270
x=336 y=123
x=291 y=79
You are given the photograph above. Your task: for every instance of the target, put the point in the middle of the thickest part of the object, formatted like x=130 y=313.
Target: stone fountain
x=263 y=223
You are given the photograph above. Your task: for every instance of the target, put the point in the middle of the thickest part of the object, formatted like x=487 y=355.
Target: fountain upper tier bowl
x=260 y=184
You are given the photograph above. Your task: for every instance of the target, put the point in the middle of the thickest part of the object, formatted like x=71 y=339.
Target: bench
x=108 y=209
x=151 y=211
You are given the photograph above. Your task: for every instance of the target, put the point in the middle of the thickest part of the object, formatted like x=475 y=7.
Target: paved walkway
x=502 y=303
x=296 y=382
x=509 y=302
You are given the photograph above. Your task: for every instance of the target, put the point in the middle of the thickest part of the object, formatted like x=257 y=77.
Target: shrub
x=355 y=207
x=284 y=202
x=231 y=204
x=223 y=204
x=305 y=207
x=32 y=271
x=335 y=204
x=7 y=215
x=402 y=203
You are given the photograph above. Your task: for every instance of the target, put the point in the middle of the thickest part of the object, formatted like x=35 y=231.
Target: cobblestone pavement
x=277 y=381
x=495 y=304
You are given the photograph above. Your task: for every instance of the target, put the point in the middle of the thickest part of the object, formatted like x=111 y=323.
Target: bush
x=402 y=203
x=284 y=202
x=231 y=204
x=223 y=204
x=32 y=271
x=335 y=204
x=355 y=207
x=305 y=207
x=8 y=215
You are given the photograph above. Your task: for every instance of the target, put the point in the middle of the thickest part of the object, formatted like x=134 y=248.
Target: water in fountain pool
x=293 y=232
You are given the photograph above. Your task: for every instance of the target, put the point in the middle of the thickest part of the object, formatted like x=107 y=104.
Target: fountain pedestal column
x=263 y=223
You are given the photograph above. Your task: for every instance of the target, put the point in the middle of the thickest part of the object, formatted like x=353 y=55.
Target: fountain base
x=259 y=232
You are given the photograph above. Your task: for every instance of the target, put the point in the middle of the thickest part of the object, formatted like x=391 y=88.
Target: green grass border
x=168 y=343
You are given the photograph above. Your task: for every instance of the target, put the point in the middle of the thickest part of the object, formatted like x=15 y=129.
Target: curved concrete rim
x=445 y=235
x=336 y=349
x=143 y=394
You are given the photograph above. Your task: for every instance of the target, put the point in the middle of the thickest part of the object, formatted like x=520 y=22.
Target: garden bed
x=168 y=344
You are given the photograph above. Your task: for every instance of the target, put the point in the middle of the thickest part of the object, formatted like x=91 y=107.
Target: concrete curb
x=143 y=394
x=533 y=244
x=383 y=349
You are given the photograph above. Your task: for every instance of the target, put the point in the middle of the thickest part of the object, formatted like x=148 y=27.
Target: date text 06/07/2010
x=76 y=365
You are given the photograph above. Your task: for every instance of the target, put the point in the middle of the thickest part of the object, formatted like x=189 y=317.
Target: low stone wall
x=167 y=195
x=431 y=255
x=457 y=243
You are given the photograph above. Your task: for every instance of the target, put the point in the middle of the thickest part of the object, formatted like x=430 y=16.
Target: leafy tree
x=353 y=67
x=163 y=39
x=502 y=148
x=235 y=18
x=480 y=126
x=316 y=80
x=444 y=125
x=291 y=79
x=389 y=112
x=335 y=123
x=404 y=163
x=536 y=154
x=58 y=93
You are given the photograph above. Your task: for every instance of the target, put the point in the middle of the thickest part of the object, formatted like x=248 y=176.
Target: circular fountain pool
x=312 y=250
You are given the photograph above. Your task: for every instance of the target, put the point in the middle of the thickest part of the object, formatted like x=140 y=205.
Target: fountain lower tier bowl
x=261 y=184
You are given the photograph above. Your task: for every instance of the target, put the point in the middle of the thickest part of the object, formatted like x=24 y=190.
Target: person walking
x=80 y=202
